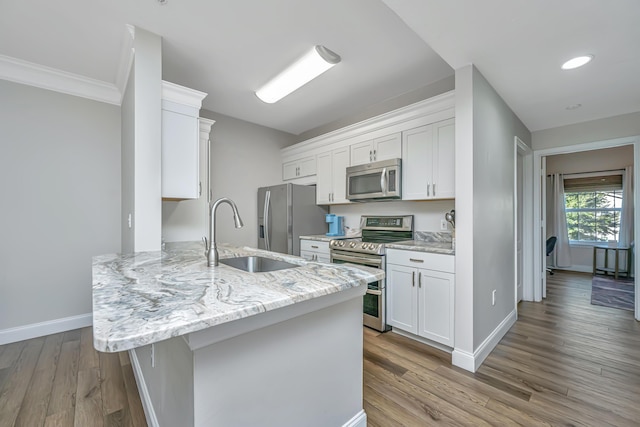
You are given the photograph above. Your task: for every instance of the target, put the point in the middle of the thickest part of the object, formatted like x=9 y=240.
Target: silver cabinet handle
x=434 y=189
x=200 y=189
x=413 y=279
x=419 y=280
x=416 y=260
x=314 y=246
x=374 y=154
x=370 y=155
x=428 y=189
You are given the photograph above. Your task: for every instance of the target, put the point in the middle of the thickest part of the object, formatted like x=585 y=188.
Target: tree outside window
x=593 y=216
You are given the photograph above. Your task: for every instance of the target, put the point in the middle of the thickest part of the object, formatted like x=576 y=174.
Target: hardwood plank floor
x=565 y=362
x=60 y=380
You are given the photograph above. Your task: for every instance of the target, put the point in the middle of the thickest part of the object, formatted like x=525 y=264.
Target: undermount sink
x=257 y=264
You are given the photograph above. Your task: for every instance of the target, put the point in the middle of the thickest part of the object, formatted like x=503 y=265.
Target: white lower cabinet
x=420 y=294
x=312 y=250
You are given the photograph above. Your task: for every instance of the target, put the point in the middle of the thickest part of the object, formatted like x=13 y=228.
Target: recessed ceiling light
x=576 y=62
x=315 y=62
x=573 y=106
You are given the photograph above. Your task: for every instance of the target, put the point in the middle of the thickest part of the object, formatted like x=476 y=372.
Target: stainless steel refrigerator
x=286 y=212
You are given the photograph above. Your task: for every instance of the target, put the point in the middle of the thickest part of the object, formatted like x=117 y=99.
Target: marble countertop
x=146 y=297
x=423 y=246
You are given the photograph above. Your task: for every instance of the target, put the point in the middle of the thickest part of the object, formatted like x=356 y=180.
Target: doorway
x=539 y=282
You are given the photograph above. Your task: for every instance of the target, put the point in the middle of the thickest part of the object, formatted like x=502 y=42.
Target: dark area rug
x=608 y=292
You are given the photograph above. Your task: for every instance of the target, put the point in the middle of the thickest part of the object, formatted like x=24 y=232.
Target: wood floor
x=565 y=363
x=60 y=380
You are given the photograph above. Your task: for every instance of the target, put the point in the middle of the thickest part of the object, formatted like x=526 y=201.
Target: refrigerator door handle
x=267 y=202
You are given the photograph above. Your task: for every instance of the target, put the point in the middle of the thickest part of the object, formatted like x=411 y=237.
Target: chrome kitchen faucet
x=211 y=249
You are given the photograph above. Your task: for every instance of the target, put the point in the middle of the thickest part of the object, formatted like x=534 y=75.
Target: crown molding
x=182 y=95
x=28 y=73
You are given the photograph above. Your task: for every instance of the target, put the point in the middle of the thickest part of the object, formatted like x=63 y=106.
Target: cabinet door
x=444 y=153
x=436 y=293
x=308 y=255
x=307 y=166
x=402 y=296
x=388 y=147
x=324 y=178
x=361 y=153
x=289 y=170
x=417 y=163
x=339 y=168
x=180 y=156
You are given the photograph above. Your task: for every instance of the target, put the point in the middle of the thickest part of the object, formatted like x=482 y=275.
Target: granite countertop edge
x=147 y=297
x=444 y=248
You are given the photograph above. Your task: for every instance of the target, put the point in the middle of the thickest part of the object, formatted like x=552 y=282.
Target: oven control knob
x=352 y=244
x=340 y=243
x=373 y=246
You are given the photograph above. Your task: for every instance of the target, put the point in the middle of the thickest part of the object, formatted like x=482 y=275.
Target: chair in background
x=551 y=244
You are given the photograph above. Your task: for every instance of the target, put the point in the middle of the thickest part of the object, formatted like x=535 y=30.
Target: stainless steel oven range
x=370 y=251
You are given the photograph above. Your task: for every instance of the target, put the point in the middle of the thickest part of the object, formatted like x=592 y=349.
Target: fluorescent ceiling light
x=315 y=62
x=576 y=62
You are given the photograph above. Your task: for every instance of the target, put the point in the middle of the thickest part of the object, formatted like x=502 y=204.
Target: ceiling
x=228 y=49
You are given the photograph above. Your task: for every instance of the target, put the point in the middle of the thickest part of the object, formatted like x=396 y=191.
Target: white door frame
x=523 y=150
x=537 y=194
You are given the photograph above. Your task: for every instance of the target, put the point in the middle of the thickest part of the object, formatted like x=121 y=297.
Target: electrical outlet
x=443 y=225
x=493 y=297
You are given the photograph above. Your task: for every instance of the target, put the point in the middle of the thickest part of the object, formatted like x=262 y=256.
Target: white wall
x=427 y=215
x=244 y=157
x=485 y=130
x=595 y=130
x=60 y=184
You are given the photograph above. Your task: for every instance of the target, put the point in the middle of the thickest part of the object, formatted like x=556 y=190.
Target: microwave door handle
x=267 y=202
x=383 y=181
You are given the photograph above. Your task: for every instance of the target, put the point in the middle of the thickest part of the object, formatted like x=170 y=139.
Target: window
x=593 y=206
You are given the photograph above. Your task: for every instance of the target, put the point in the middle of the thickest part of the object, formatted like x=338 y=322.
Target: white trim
x=41 y=329
x=182 y=95
x=147 y=405
x=358 y=420
x=28 y=73
x=437 y=104
x=588 y=146
x=526 y=152
x=471 y=362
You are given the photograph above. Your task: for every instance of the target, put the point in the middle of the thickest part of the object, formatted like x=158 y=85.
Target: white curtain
x=626 y=218
x=562 y=250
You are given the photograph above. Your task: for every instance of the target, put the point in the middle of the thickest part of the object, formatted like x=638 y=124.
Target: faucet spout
x=212 y=248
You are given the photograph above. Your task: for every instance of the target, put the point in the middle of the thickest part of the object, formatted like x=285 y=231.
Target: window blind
x=593 y=183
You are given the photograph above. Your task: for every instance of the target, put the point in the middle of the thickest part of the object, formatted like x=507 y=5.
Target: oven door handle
x=372 y=292
x=357 y=260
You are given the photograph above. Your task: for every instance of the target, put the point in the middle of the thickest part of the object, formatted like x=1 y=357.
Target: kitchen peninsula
x=221 y=346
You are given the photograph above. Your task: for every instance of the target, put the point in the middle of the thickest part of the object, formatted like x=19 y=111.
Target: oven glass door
x=373 y=300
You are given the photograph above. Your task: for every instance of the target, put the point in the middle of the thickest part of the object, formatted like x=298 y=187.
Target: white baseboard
x=359 y=420
x=471 y=362
x=147 y=405
x=41 y=329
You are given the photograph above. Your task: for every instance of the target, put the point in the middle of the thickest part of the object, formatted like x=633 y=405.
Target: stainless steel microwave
x=375 y=181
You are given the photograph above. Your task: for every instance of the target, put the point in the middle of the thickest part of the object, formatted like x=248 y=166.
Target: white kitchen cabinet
x=428 y=161
x=384 y=148
x=180 y=142
x=420 y=294
x=331 y=181
x=299 y=168
x=313 y=250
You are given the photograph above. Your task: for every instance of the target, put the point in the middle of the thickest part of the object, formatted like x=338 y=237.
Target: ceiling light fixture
x=315 y=62
x=576 y=62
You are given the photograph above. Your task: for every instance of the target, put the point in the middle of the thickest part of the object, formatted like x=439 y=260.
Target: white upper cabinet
x=332 y=177
x=180 y=142
x=428 y=160
x=299 y=168
x=384 y=148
